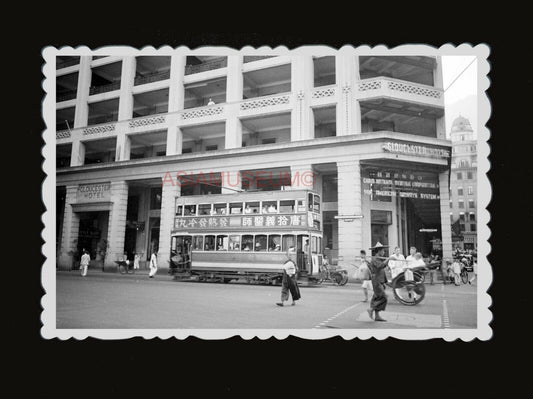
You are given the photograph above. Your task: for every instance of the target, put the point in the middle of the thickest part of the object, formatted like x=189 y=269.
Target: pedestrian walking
x=153 y=265
x=377 y=269
x=364 y=275
x=456 y=270
x=84 y=262
x=289 y=283
x=474 y=267
x=136 y=261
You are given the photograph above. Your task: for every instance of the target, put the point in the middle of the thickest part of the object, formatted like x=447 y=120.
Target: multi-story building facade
x=463 y=185
x=369 y=128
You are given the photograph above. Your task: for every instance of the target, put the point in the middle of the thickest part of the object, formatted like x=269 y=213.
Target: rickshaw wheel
x=408 y=293
x=337 y=278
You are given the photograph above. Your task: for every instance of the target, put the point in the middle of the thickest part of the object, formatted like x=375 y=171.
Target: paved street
x=112 y=300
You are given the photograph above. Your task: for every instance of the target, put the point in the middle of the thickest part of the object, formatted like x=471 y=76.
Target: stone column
x=350 y=204
x=348 y=109
x=125 y=107
x=71 y=226
x=117 y=223
x=171 y=190
x=303 y=177
x=81 y=113
x=438 y=83
x=231 y=181
x=176 y=99
x=446 y=228
x=302 y=84
x=77 y=153
x=234 y=90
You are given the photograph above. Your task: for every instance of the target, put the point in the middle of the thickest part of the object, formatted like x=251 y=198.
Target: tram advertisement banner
x=217 y=222
x=400 y=183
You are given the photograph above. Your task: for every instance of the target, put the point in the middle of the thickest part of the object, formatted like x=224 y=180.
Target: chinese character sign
x=235 y=222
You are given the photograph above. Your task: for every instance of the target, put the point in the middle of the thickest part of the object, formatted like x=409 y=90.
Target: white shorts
x=367 y=284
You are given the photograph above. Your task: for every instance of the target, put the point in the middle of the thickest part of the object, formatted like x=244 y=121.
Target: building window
x=211 y=147
x=469 y=175
x=460 y=191
x=461 y=204
x=471 y=204
x=472 y=227
x=459 y=176
x=470 y=190
x=462 y=217
x=463 y=163
x=451 y=216
x=462 y=227
x=186 y=150
x=472 y=217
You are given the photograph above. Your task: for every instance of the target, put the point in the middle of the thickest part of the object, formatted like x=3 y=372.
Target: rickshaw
x=408 y=286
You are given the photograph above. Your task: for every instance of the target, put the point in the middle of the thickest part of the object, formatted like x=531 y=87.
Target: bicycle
x=334 y=274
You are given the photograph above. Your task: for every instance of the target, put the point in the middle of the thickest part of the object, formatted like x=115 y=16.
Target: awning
x=92 y=206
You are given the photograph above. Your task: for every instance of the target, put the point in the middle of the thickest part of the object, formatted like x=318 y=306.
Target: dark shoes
x=279 y=303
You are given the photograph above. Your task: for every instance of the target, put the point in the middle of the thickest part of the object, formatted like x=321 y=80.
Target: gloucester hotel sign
x=411 y=149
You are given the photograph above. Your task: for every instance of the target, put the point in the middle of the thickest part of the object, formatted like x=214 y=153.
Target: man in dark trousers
x=289 y=283
x=377 y=268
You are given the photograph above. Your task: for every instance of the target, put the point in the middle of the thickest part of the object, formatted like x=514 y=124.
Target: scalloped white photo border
x=483 y=331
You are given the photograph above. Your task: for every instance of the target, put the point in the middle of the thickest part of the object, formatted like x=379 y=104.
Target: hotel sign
x=240 y=222
x=411 y=149
x=93 y=192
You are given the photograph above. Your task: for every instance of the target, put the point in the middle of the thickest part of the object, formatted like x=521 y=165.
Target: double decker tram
x=245 y=236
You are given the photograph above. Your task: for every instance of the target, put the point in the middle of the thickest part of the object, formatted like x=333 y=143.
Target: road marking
x=408 y=319
x=323 y=324
x=445 y=317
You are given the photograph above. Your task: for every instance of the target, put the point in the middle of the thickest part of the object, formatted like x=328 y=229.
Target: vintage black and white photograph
x=266 y=192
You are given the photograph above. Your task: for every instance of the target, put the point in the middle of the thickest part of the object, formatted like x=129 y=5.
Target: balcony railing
x=67 y=63
x=206 y=66
x=267 y=101
x=67 y=96
x=399 y=86
x=104 y=89
x=202 y=111
x=152 y=77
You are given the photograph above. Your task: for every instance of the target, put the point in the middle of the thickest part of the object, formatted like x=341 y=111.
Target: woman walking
x=153 y=265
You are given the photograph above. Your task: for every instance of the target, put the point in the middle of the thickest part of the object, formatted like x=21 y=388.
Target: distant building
x=463 y=185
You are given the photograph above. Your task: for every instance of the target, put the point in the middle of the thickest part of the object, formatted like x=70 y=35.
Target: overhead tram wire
x=457 y=77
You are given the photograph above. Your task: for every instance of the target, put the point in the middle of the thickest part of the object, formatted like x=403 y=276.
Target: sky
x=460 y=97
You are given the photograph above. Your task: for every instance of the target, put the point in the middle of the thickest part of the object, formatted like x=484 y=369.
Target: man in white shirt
x=396 y=262
x=84 y=263
x=289 y=283
x=411 y=258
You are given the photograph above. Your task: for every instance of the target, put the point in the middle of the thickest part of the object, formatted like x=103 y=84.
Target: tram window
x=179 y=210
x=286 y=206
x=189 y=210
x=247 y=242
x=316 y=203
x=316 y=224
x=274 y=242
x=314 y=244
x=221 y=209
x=234 y=243
x=270 y=206
x=289 y=241
x=252 y=207
x=235 y=208
x=198 y=243
x=260 y=242
x=209 y=243
x=173 y=244
x=204 y=209
x=301 y=206
x=310 y=201
x=222 y=243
